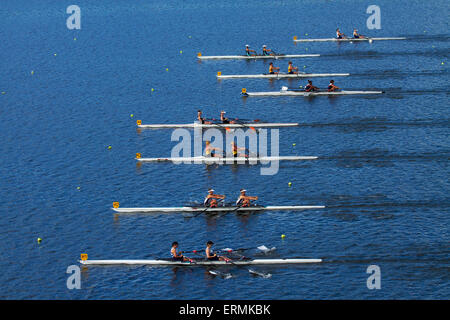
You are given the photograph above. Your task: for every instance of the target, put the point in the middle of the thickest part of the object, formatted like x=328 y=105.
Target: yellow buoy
x=153 y=89
x=167 y=69
x=109 y=147
x=181 y=51
x=54 y=54
x=39 y=240
x=32 y=72
x=78 y=188
x=289 y=184
x=283 y=236
x=294 y=144
x=131 y=115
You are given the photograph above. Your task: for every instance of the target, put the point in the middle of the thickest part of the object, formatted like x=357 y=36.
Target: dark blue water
x=383 y=172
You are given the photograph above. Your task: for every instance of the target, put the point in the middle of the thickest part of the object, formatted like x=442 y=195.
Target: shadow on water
x=377 y=124
x=381 y=158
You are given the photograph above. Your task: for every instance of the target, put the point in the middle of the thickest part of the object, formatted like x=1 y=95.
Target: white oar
x=220 y=274
x=262 y=248
x=260 y=274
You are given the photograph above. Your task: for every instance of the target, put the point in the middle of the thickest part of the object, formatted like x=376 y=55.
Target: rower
x=210 y=151
x=309 y=87
x=272 y=69
x=200 y=119
x=210 y=255
x=235 y=151
x=332 y=87
x=340 y=35
x=211 y=199
x=266 y=52
x=356 y=35
x=292 y=69
x=249 y=52
x=177 y=255
x=225 y=119
x=244 y=200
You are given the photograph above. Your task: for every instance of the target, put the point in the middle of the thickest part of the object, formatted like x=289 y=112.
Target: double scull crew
x=273 y=69
x=211 y=199
x=244 y=200
x=340 y=35
x=211 y=256
x=331 y=87
x=178 y=255
x=249 y=52
x=267 y=52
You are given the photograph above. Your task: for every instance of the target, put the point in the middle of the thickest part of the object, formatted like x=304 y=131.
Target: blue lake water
x=382 y=172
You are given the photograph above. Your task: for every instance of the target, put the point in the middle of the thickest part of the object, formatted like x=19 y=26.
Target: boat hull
x=200 y=262
x=218 y=209
x=281 y=76
x=349 y=39
x=286 y=56
x=219 y=126
x=227 y=160
x=308 y=94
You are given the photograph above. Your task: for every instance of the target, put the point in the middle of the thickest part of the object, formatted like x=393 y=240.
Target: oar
x=215 y=272
x=261 y=248
x=203 y=211
x=254 y=120
x=261 y=274
x=245 y=124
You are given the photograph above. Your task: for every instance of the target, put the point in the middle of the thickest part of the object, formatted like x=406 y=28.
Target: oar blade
x=260 y=274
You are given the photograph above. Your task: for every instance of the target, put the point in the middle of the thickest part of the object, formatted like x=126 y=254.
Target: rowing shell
x=281 y=75
x=348 y=39
x=286 y=56
x=218 y=125
x=217 y=209
x=307 y=94
x=199 y=262
x=230 y=160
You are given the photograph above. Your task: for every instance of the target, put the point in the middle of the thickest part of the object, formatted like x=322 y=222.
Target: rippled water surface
x=382 y=172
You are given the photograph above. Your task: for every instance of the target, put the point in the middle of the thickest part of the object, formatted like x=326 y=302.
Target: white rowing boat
x=348 y=39
x=216 y=125
x=280 y=56
x=225 y=160
x=305 y=94
x=161 y=262
x=116 y=208
x=280 y=75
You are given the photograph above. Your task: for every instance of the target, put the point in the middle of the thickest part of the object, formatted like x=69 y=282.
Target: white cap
x=246 y=45
x=210 y=190
x=264 y=46
x=243 y=190
x=222 y=112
